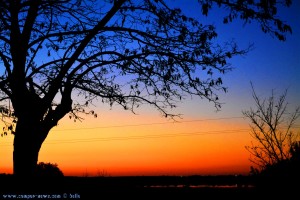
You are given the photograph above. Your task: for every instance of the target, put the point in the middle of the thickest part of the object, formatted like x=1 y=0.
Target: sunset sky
x=203 y=141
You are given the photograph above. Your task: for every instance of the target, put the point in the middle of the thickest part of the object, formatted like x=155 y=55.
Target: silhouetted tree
x=48 y=170
x=272 y=127
x=119 y=52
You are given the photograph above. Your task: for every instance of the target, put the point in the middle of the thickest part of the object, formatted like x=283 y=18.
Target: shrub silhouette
x=283 y=173
x=48 y=170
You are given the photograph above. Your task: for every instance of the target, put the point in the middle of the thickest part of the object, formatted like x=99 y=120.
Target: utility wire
x=148 y=136
x=149 y=124
x=198 y=133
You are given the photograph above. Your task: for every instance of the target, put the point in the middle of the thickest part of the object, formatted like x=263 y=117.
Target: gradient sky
x=203 y=141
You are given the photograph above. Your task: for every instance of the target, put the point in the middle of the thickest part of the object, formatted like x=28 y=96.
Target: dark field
x=160 y=187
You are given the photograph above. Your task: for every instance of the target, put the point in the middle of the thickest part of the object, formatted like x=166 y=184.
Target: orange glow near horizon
x=110 y=146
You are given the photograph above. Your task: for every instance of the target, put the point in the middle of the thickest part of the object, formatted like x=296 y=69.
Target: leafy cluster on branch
x=8 y=119
x=265 y=11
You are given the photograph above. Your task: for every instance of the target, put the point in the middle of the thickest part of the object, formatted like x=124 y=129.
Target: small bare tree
x=273 y=129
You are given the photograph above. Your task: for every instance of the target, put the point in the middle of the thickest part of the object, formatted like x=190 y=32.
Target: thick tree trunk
x=35 y=118
x=27 y=143
x=25 y=156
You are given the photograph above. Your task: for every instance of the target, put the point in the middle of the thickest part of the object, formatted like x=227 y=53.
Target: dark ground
x=161 y=187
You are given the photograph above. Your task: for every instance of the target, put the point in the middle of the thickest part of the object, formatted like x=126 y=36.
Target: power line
x=152 y=136
x=149 y=124
x=148 y=136
x=198 y=133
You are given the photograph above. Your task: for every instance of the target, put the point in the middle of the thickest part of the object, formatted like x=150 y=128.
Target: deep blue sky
x=272 y=64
